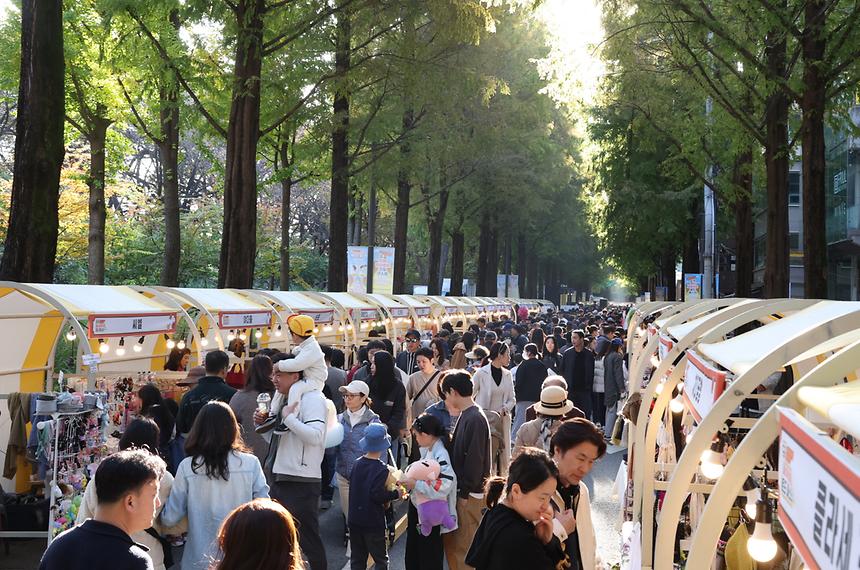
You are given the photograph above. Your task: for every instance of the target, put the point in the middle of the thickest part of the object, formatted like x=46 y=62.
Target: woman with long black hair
x=388 y=395
x=217 y=476
x=244 y=402
x=151 y=405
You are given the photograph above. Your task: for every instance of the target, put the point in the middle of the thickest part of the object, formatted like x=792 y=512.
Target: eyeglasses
x=411 y=340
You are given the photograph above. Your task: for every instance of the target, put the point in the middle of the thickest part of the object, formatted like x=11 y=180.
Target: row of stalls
x=746 y=443
x=112 y=338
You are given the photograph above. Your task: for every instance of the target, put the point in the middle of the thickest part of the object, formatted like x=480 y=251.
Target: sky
x=576 y=29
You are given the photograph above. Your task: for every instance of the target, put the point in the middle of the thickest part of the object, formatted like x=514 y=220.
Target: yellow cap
x=301 y=325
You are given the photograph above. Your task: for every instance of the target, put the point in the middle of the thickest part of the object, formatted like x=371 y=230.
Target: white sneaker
x=348 y=552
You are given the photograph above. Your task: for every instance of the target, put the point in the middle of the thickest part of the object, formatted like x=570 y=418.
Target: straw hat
x=478 y=353
x=553 y=402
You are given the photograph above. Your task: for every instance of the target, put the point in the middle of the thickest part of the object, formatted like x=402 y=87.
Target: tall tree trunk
x=776 y=271
x=401 y=212
x=168 y=150
x=532 y=280
x=813 y=103
x=744 y=226
x=96 y=183
x=667 y=273
x=492 y=264
x=435 y=223
x=522 y=264
x=482 y=287
x=31 y=238
x=339 y=205
x=239 y=238
x=458 y=252
x=286 y=161
x=690 y=254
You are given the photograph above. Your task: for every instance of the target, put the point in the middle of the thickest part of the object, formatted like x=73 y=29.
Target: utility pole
x=709 y=221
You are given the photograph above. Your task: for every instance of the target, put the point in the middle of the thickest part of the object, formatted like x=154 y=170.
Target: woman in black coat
x=388 y=394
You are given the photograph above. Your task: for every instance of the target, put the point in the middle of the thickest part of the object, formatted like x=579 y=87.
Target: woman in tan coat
x=550 y=410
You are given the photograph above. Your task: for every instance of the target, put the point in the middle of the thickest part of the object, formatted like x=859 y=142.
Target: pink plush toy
x=431 y=512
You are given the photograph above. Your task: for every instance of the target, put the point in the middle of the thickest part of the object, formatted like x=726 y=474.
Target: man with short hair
x=470 y=458
x=407 y=360
x=518 y=338
x=127 y=496
x=490 y=338
x=295 y=457
x=577 y=366
x=211 y=387
x=575 y=446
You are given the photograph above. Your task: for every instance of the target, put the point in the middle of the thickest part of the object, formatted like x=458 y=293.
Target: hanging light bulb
x=258 y=333
x=752 y=493
x=180 y=345
x=680 y=386
x=231 y=336
x=659 y=388
x=103 y=347
x=328 y=328
x=171 y=344
x=349 y=327
x=655 y=362
x=204 y=341
x=138 y=346
x=243 y=336
x=316 y=330
x=120 y=351
x=71 y=335
x=761 y=545
x=712 y=462
x=677 y=404
x=278 y=332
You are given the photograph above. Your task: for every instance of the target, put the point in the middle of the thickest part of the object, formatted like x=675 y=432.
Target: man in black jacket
x=470 y=458
x=210 y=387
x=127 y=496
x=577 y=366
x=407 y=360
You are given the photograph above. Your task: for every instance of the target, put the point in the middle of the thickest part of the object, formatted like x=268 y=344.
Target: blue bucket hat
x=617 y=341
x=375 y=438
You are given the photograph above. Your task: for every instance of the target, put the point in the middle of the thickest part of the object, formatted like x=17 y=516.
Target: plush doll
x=431 y=512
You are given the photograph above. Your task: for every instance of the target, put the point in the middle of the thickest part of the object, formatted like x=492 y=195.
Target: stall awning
x=85 y=300
x=738 y=354
x=840 y=404
x=397 y=309
x=359 y=308
x=421 y=308
x=231 y=309
x=681 y=330
x=298 y=302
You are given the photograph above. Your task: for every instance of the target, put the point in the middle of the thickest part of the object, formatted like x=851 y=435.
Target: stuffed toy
x=431 y=512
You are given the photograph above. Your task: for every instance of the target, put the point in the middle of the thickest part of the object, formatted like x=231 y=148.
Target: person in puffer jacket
x=354 y=419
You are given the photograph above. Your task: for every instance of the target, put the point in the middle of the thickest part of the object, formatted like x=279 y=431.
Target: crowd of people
x=486 y=434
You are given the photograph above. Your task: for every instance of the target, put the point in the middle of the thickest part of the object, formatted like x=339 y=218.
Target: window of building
x=794 y=241
x=794 y=188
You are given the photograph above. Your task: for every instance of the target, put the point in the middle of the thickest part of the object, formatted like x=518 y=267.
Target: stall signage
x=422 y=311
x=364 y=314
x=665 y=346
x=90 y=359
x=819 y=495
x=451 y=310
x=399 y=312
x=104 y=326
x=244 y=319
x=703 y=385
x=320 y=317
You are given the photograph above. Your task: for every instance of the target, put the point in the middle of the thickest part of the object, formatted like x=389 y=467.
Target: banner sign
x=692 y=286
x=383 y=270
x=665 y=346
x=244 y=319
x=451 y=310
x=104 y=326
x=320 y=317
x=703 y=385
x=356 y=269
x=422 y=311
x=399 y=312
x=819 y=495
x=364 y=314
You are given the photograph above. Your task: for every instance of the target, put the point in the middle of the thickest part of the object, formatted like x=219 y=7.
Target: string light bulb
x=180 y=345
x=171 y=344
x=71 y=335
x=231 y=336
x=243 y=336
x=279 y=332
x=752 y=493
x=204 y=341
x=712 y=462
x=761 y=545
x=103 y=347
x=120 y=351
x=258 y=333
x=138 y=346
x=677 y=404
x=659 y=388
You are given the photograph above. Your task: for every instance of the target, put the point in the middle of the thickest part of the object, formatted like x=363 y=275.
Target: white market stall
x=329 y=319
x=745 y=361
x=362 y=316
x=420 y=312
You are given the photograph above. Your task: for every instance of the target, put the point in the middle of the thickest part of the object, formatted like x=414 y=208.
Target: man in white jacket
x=303 y=412
x=576 y=445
